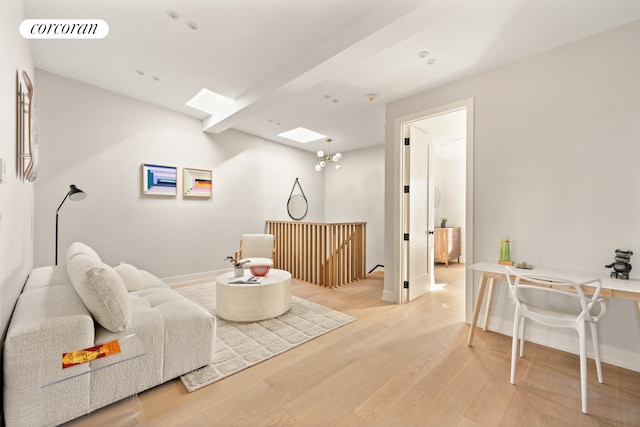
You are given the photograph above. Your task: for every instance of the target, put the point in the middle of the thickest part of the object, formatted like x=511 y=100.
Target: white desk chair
x=257 y=249
x=558 y=308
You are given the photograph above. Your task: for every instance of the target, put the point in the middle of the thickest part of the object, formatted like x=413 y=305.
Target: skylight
x=210 y=102
x=302 y=135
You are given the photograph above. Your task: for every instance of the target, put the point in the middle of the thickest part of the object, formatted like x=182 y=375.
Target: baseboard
x=189 y=279
x=388 y=296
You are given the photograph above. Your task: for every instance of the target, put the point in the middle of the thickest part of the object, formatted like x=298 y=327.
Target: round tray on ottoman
x=249 y=302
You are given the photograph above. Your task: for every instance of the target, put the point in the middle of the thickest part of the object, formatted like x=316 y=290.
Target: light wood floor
x=399 y=365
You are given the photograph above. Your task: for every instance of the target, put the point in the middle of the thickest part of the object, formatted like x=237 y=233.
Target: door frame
x=394 y=235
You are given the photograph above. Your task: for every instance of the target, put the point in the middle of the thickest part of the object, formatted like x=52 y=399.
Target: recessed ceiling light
x=142 y=73
x=172 y=14
x=302 y=135
x=371 y=96
x=423 y=54
x=431 y=61
x=192 y=25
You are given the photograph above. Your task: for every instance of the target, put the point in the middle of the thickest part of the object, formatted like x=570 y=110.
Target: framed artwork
x=159 y=180
x=197 y=183
x=26 y=129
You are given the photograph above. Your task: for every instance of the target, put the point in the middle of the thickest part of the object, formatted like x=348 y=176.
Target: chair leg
x=596 y=349
x=514 y=346
x=583 y=366
x=523 y=332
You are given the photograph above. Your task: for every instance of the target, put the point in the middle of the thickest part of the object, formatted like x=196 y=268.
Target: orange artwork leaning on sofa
x=77 y=357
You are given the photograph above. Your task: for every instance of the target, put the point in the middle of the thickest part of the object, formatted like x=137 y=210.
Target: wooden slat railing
x=326 y=254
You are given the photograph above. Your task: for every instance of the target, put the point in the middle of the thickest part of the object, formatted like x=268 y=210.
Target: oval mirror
x=297 y=206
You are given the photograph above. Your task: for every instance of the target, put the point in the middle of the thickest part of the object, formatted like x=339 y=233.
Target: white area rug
x=241 y=345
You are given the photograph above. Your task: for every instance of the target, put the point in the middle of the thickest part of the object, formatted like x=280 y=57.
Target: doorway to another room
x=448 y=137
x=435 y=207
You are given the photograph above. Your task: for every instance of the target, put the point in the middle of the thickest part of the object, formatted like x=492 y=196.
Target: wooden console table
x=492 y=271
x=446 y=244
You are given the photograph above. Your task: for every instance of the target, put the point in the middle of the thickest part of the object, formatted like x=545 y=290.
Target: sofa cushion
x=150 y=281
x=102 y=291
x=51 y=275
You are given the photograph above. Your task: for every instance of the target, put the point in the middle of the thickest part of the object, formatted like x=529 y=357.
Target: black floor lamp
x=75 y=194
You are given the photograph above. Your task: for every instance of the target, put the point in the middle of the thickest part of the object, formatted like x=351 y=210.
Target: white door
x=419 y=211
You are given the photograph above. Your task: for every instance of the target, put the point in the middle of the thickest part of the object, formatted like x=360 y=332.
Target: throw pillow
x=130 y=276
x=80 y=248
x=102 y=291
x=136 y=280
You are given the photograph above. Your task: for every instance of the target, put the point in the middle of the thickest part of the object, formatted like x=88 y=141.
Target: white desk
x=492 y=271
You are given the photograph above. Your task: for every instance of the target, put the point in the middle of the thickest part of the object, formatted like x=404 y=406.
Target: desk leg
x=476 y=308
x=487 y=311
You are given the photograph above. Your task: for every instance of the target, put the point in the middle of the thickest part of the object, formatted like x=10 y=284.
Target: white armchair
x=566 y=306
x=257 y=249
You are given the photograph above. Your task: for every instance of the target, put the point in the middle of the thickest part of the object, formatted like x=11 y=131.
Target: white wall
x=555 y=167
x=355 y=193
x=97 y=140
x=16 y=195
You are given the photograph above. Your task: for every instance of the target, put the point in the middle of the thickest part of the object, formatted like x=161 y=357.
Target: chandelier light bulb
x=325 y=158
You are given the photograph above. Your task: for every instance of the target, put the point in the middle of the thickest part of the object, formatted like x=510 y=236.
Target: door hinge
x=405 y=236
x=407 y=141
x=406 y=284
x=406 y=188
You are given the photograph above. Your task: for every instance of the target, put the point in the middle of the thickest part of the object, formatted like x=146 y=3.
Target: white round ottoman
x=243 y=302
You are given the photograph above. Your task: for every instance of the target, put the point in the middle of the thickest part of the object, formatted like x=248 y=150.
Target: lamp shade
x=76 y=194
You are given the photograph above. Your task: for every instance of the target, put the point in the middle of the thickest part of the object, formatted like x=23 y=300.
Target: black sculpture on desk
x=621 y=266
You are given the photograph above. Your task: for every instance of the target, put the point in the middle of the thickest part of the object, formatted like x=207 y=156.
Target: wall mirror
x=297 y=205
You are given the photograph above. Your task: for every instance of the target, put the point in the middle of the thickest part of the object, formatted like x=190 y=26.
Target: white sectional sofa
x=85 y=303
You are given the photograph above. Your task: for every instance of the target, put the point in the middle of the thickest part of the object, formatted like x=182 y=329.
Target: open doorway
x=435 y=164
x=448 y=134
x=400 y=159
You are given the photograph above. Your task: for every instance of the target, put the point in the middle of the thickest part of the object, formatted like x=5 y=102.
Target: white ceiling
x=310 y=63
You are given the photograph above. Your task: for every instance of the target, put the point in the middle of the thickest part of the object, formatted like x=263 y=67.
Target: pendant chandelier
x=327 y=158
